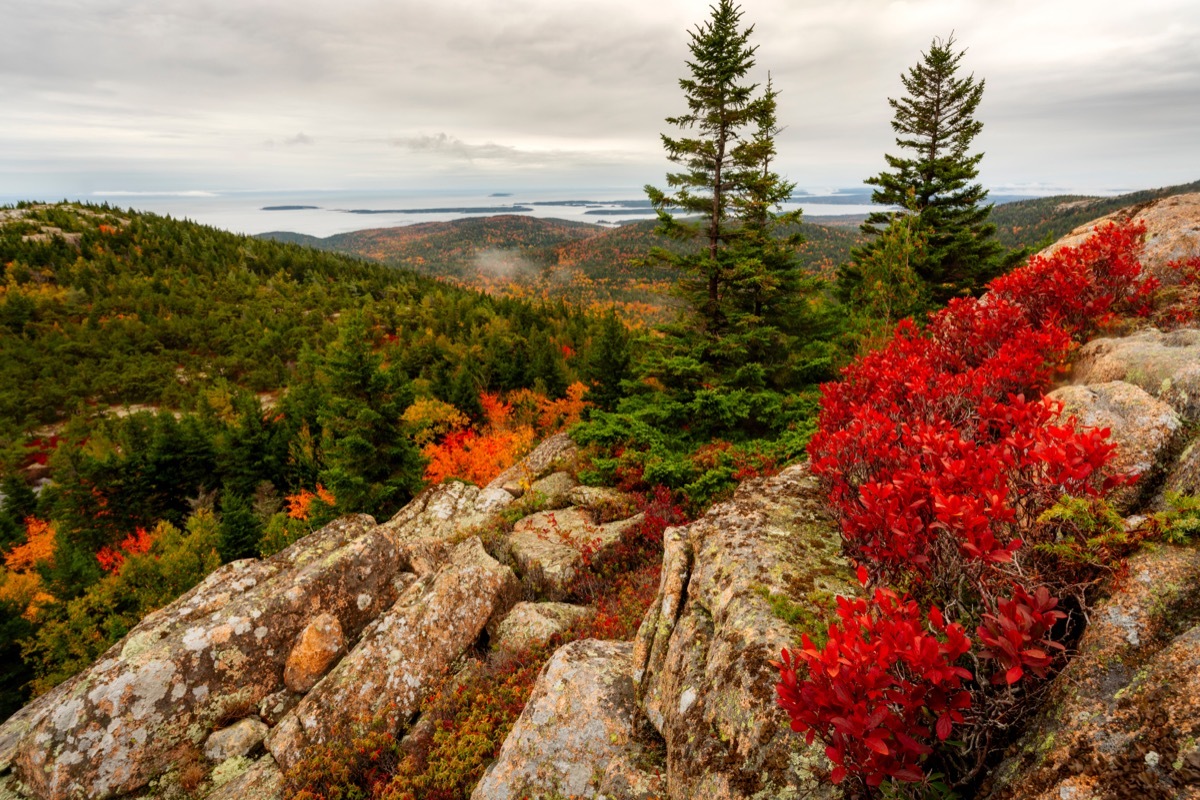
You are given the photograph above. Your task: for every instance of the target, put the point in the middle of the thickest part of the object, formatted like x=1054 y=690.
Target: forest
x=172 y=391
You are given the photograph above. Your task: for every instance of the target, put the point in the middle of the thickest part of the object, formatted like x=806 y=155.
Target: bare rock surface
x=238 y=739
x=554 y=489
x=1165 y=364
x=219 y=648
x=702 y=655
x=1142 y=427
x=319 y=645
x=579 y=719
x=553 y=545
x=1133 y=691
x=557 y=448
x=529 y=624
x=263 y=780
x=1172 y=232
x=438 y=514
x=392 y=668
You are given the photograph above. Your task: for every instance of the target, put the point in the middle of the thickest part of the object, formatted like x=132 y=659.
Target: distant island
x=500 y=194
x=288 y=208
x=469 y=210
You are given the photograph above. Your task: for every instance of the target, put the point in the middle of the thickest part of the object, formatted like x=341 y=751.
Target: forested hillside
x=528 y=257
x=1038 y=222
x=182 y=396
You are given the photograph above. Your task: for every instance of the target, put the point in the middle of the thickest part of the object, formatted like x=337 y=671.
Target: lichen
x=229 y=769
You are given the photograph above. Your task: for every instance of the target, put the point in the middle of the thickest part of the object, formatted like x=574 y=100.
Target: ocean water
x=324 y=213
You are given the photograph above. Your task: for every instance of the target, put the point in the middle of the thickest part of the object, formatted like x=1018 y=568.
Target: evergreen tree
x=935 y=123
x=19 y=502
x=240 y=529
x=371 y=463
x=609 y=362
x=721 y=104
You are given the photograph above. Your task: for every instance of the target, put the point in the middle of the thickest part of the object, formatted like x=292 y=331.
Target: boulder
x=606 y=504
x=554 y=489
x=439 y=513
x=702 y=654
x=551 y=546
x=1167 y=365
x=239 y=739
x=1172 y=232
x=557 y=448
x=215 y=652
x=530 y=624
x=579 y=720
x=263 y=780
x=401 y=655
x=1124 y=716
x=1142 y=427
x=319 y=645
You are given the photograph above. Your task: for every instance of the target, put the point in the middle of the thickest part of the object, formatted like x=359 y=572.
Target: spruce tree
x=721 y=104
x=371 y=463
x=935 y=123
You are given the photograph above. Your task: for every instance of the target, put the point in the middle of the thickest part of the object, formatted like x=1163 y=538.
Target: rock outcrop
x=1164 y=364
x=1172 y=232
x=580 y=719
x=702 y=656
x=1143 y=427
x=1124 y=720
x=355 y=620
x=217 y=651
x=404 y=651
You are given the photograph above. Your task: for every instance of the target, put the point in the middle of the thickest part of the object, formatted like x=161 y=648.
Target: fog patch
x=504 y=264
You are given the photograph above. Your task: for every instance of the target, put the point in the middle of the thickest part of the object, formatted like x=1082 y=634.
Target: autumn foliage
x=20 y=582
x=510 y=427
x=939 y=459
x=111 y=559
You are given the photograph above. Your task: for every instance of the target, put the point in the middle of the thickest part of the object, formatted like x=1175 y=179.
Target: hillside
x=529 y=257
x=1037 y=222
x=104 y=307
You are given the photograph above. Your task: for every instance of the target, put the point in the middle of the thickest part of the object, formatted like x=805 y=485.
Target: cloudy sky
x=184 y=95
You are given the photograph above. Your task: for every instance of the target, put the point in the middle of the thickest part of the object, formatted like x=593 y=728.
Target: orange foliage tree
x=511 y=426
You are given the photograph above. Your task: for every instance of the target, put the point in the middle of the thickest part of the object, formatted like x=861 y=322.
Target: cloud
x=162 y=91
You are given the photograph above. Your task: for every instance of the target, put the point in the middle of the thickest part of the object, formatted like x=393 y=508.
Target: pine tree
x=371 y=463
x=935 y=122
x=609 y=362
x=240 y=530
x=720 y=105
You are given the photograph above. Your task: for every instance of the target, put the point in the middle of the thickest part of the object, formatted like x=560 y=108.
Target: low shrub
x=944 y=470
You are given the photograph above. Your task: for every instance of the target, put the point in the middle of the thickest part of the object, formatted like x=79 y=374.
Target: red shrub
x=880 y=689
x=938 y=465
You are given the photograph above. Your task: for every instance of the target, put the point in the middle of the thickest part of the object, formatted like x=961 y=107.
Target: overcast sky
x=184 y=95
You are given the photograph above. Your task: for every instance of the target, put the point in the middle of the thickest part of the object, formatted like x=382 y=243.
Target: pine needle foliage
x=935 y=126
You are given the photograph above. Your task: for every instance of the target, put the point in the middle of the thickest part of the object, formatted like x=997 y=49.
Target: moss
x=809 y=616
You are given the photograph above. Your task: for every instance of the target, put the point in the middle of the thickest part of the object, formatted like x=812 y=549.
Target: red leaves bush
x=883 y=680
x=939 y=463
x=1017 y=636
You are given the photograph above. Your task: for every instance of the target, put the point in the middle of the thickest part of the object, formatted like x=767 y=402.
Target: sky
x=100 y=96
